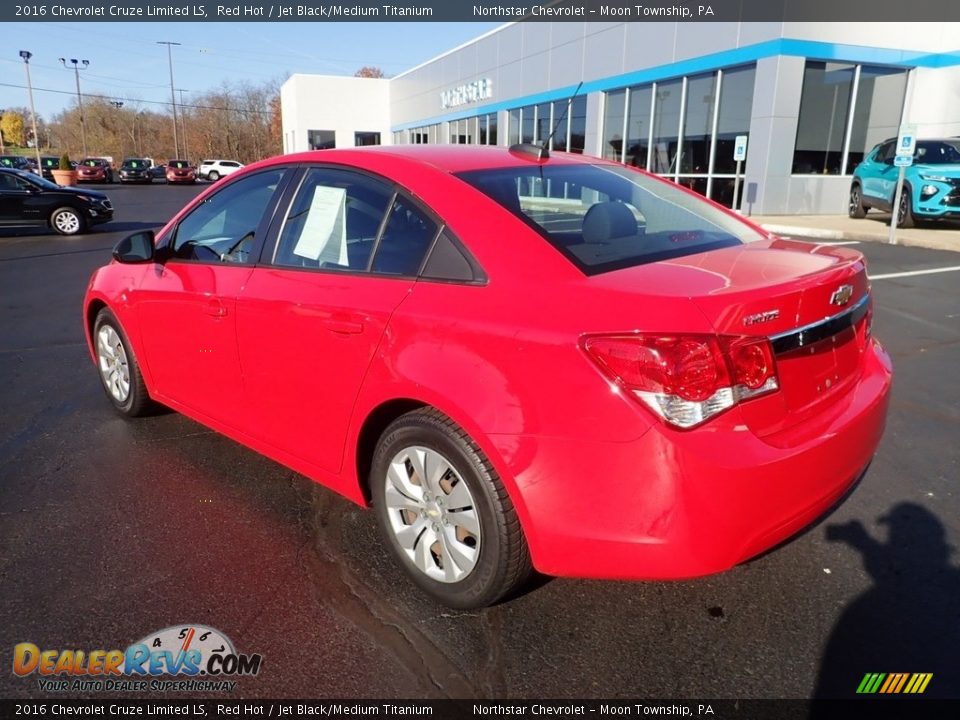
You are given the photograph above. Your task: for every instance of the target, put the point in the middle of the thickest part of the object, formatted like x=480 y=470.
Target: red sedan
x=519 y=361
x=180 y=171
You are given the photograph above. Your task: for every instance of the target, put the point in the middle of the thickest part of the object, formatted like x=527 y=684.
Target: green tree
x=12 y=125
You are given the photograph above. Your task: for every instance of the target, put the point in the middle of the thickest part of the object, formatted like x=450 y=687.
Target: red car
x=95 y=170
x=519 y=361
x=181 y=171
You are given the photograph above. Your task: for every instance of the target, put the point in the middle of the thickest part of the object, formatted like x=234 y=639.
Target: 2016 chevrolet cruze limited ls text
x=520 y=361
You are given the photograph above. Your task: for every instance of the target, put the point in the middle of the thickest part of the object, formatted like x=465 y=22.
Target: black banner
x=479 y=10
x=874 y=708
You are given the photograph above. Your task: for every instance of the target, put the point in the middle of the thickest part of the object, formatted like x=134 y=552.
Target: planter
x=65 y=177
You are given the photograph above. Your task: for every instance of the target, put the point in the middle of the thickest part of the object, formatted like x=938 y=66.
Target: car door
x=187 y=302
x=880 y=176
x=17 y=203
x=312 y=315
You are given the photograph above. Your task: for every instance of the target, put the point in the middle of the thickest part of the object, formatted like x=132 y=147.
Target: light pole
x=76 y=73
x=33 y=113
x=3 y=150
x=119 y=104
x=183 y=124
x=173 y=98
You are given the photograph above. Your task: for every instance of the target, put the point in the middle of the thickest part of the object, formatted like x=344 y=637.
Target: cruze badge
x=842 y=295
x=764 y=316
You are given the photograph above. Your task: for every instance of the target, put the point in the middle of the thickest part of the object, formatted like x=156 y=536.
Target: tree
x=12 y=126
x=369 y=71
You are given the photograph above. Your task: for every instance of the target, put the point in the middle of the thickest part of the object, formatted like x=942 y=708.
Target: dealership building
x=812 y=99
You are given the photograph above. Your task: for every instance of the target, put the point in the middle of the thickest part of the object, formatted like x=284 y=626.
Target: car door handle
x=343 y=326
x=216 y=308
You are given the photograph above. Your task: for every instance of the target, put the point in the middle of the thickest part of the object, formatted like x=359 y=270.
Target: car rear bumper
x=676 y=504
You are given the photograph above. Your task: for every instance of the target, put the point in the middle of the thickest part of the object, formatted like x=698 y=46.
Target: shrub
x=65 y=162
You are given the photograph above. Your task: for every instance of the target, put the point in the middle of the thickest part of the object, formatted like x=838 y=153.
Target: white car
x=213 y=170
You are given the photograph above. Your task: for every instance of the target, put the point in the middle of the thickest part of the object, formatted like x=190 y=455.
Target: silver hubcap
x=114 y=368
x=432 y=514
x=67 y=222
x=854 y=200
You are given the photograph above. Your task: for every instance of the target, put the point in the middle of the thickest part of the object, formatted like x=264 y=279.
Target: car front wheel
x=856 y=210
x=905 y=210
x=445 y=513
x=119 y=371
x=66 y=221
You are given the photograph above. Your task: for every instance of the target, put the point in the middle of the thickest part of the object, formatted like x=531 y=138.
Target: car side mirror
x=136 y=248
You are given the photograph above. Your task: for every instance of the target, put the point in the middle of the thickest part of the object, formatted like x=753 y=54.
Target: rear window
x=605 y=217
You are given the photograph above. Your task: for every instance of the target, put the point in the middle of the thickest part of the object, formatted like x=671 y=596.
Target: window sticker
x=324 y=235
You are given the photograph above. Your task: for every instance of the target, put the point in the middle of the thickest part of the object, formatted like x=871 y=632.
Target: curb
x=928 y=242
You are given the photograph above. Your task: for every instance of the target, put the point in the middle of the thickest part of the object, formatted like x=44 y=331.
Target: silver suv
x=213 y=170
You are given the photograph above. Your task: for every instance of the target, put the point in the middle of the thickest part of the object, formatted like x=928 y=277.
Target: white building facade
x=813 y=99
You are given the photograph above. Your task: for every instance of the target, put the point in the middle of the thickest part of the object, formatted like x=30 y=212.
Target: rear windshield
x=605 y=217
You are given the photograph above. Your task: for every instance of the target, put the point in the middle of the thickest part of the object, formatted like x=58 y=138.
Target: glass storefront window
x=666 y=125
x=321 y=139
x=613 y=116
x=544 y=125
x=526 y=124
x=638 y=127
x=492 y=128
x=736 y=104
x=824 y=102
x=698 y=124
x=877 y=110
x=578 y=124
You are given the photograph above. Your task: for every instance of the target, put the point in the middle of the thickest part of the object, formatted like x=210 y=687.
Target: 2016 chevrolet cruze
x=519 y=361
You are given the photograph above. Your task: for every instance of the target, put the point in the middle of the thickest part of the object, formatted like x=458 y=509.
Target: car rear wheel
x=445 y=513
x=905 y=210
x=119 y=371
x=213 y=176
x=856 y=210
x=66 y=221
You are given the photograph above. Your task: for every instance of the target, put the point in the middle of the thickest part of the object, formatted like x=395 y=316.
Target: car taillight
x=686 y=379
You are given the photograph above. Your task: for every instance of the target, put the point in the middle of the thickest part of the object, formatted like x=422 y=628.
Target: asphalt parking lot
x=112 y=529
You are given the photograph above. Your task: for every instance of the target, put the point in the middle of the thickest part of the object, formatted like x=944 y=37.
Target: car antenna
x=541 y=151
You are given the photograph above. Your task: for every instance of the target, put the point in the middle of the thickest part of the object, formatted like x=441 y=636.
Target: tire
x=118 y=369
x=67 y=221
x=459 y=539
x=213 y=176
x=856 y=208
x=905 y=217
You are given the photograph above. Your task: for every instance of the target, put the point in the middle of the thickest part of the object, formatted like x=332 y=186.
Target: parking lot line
x=910 y=273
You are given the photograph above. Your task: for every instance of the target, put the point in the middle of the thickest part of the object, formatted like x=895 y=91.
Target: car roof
x=447 y=158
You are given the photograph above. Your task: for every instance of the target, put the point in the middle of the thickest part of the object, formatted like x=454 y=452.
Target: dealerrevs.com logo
x=204 y=656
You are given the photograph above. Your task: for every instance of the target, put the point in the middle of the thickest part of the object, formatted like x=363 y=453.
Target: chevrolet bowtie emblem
x=842 y=295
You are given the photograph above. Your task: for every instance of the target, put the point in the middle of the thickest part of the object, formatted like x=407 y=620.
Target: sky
x=127 y=64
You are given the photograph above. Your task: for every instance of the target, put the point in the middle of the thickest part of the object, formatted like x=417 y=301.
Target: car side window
x=222 y=229
x=334 y=221
x=884 y=153
x=405 y=240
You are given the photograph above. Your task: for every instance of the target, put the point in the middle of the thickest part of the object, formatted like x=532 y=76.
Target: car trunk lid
x=810 y=300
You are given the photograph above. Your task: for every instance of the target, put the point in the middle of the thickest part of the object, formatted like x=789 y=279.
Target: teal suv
x=931 y=186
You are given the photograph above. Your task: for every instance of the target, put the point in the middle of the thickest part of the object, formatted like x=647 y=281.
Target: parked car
x=931 y=186
x=16 y=162
x=49 y=163
x=94 y=170
x=213 y=170
x=181 y=171
x=135 y=170
x=29 y=200
x=518 y=360
x=158 y=172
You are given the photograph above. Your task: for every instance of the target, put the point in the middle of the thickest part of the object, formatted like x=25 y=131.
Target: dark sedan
x=135 y=170
x=27 y=200
x=48 y=164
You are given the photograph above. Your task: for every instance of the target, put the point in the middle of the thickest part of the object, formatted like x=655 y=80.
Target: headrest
x=607 y=220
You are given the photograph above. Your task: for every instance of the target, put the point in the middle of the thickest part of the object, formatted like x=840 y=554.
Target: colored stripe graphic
x=894 y=683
